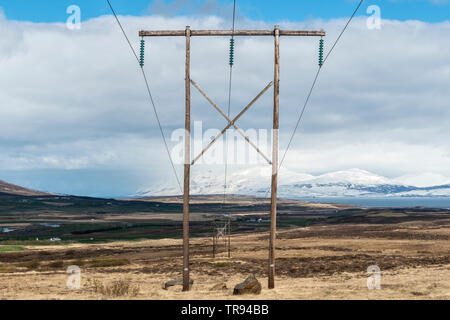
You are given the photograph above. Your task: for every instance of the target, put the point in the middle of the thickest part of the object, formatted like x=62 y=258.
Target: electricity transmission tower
x=188 y=33
x=219 y=232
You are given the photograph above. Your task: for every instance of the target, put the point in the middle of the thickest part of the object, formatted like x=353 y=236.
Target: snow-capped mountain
x=348 y=183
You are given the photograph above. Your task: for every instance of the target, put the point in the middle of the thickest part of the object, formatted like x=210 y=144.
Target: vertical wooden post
x=229 y=235
x=273 y=203
x=214 y=244
x=187 y=164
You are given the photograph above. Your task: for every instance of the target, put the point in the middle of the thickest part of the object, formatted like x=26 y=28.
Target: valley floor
x=315 y=262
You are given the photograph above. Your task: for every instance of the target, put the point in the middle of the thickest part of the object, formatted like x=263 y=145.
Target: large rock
x=178 y=282
x=250 y=286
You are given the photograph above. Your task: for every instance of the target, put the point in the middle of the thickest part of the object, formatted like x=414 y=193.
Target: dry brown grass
x=31 y=265
x=56 y=264
x=317 y=262
x=8 y=269
x=115 y=289
x=110 y=262
x=222 y=264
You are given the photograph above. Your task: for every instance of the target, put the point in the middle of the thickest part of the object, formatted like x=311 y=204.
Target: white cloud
x=76 y=100
x=423 y=180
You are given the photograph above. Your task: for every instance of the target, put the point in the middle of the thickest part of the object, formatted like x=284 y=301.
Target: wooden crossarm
x=205 y=33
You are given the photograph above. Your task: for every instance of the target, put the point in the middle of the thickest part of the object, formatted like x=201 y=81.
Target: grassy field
x=323 y=251
x=11 y=248
x=319 y=262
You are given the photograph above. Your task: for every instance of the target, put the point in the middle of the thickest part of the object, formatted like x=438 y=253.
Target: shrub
x=78 y=262
x=32 y=265
x=56 y=264
x=70 y=252
x=222 y=264
x=117 y=288
x=7 y=269
x=98 y=263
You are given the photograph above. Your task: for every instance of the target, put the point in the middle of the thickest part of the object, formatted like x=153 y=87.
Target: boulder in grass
x=250 y=286
x=178 y=282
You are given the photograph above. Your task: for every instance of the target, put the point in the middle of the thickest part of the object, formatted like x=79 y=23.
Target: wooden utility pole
x=214 y=243
x=276 y=126
x=187 y=164
x=229 y=235
x=188 y=33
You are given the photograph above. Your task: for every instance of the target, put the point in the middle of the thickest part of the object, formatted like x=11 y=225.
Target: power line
x=229 y=101
x=314 y=85
x=150 y=96
x=123 y=31
x=315 y=81
x=230 y=90
x=343 y=30
x=161 y=130
x=229 y=111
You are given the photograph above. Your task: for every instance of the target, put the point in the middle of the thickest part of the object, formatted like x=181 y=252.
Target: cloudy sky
x=75 y=116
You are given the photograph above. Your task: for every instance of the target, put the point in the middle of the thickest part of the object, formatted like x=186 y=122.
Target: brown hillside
x=17 y=190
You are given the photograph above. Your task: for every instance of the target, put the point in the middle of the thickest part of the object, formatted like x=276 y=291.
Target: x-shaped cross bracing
x=231 y=123
x=221 y=232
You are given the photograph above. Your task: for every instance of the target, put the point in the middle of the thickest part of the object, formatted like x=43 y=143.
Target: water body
x=50 y=225
x=385 y=202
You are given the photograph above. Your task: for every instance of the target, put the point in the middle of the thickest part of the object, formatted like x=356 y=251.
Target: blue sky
x=54 y=10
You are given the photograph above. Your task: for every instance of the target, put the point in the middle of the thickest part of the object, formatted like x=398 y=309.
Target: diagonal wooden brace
x=231 y=122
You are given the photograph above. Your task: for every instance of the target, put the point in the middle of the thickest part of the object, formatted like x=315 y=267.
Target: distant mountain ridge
x=13 y=189
x=347 y=183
